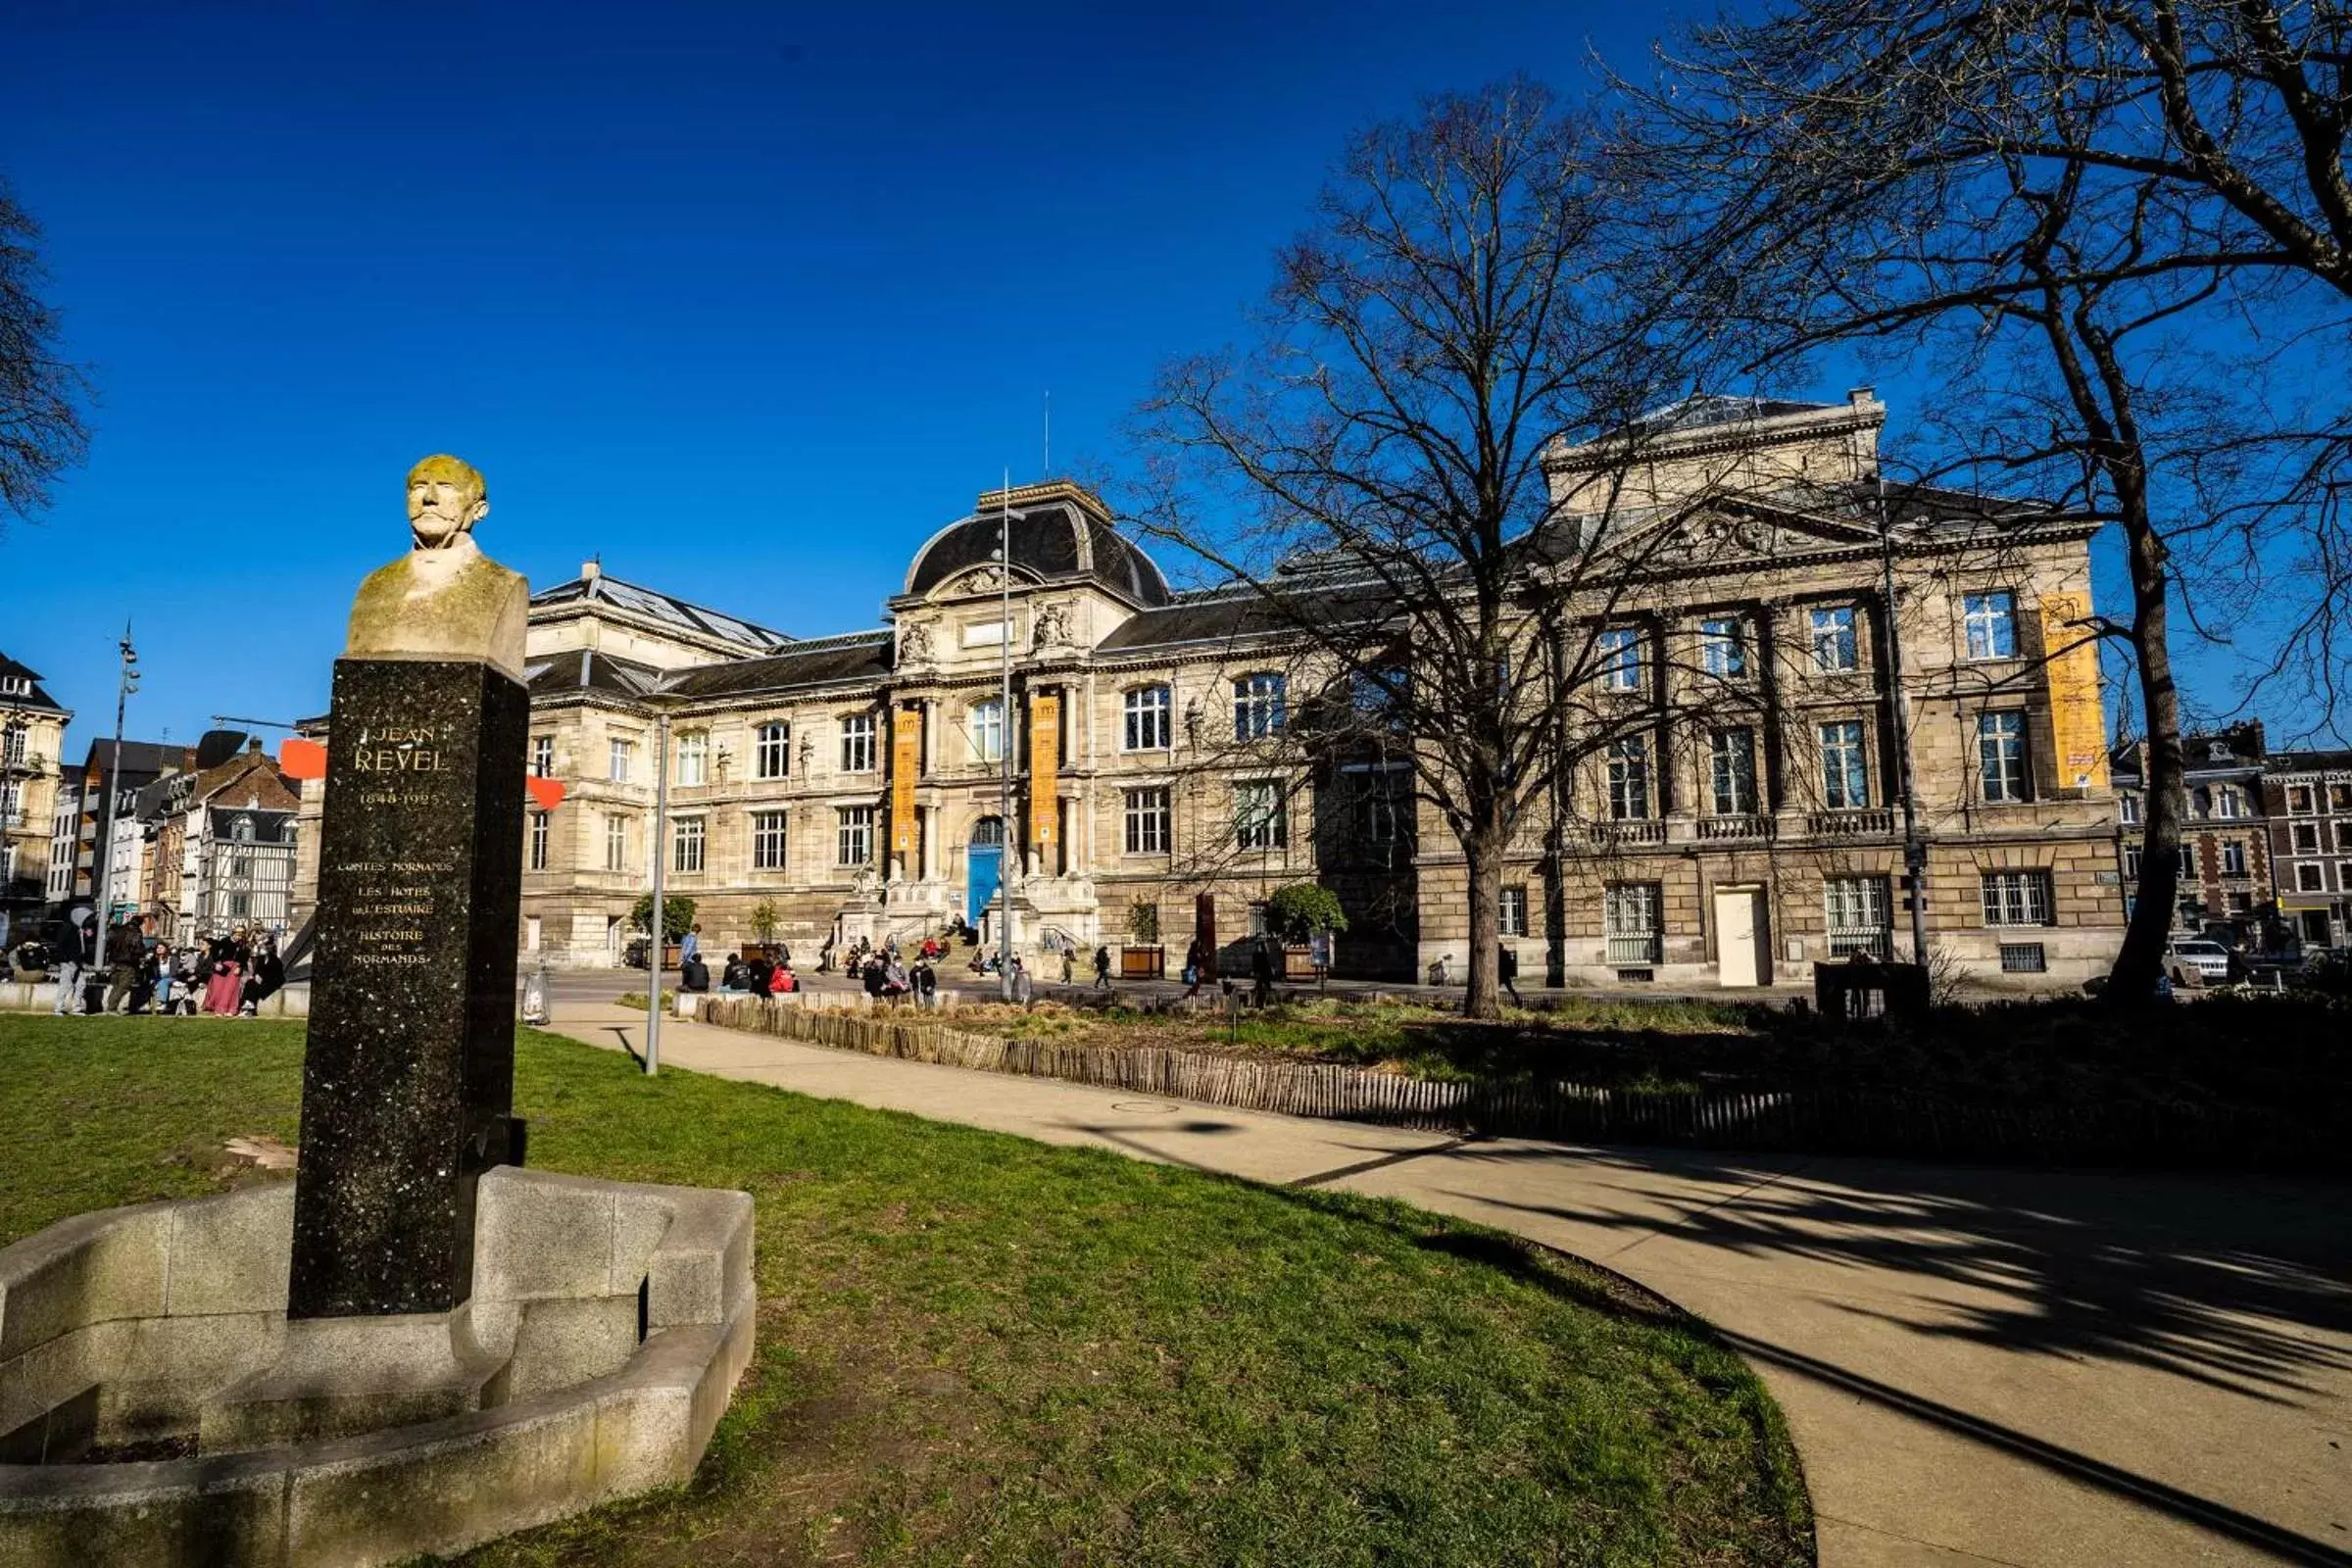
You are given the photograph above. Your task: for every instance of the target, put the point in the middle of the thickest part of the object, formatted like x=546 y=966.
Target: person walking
x=1022 y=988
x=1261 y=974
x=1196 y=966
x=124 y=947
x=1506 y=969
x=1102 y=968
x=70 y=964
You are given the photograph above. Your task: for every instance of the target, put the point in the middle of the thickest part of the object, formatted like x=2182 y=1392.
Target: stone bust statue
x=444 y=598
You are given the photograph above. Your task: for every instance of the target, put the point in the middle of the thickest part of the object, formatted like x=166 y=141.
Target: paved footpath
x=2036 y=1368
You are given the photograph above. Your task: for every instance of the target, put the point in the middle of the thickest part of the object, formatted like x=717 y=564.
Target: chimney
x=591 y=570
x=1861 y=397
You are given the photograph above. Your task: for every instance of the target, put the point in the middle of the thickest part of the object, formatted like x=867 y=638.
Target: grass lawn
x=2275 y=1054
x=979 y=1350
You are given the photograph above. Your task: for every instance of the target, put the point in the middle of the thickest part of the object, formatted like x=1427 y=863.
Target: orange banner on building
x=1045 y=767
x=905 y=762
x=2078 y=716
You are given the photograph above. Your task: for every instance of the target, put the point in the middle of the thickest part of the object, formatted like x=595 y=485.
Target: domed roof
x=1059 y=534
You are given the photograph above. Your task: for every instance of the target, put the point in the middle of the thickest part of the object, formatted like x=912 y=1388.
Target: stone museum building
x=853 y=783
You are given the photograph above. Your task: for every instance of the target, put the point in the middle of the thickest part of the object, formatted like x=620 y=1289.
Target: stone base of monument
x=157 y=1407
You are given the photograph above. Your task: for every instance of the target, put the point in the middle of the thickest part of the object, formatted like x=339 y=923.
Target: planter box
x=1143 y=963
x=1297 y=964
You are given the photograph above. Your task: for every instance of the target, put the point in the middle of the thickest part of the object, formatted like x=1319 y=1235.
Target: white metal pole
x=653 y=948
x=1008 y=856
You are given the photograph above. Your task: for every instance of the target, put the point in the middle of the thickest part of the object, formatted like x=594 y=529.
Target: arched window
x=986 y=726
x=1258 y=703
x=988 y=832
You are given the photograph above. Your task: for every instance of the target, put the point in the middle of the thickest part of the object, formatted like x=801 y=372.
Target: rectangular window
x=543 y=757
x=2132 y=858
x=694 y=757
x=854 y=840
x=1258 y=703
x=1731 y=766
x=2024 y=958
x=1630 y=922
x=1258 y=820
x=1629 y=779
x=2309 y=877
x=1723 y=647
x=2339 y=797
x=1845 y=772
x=2307 y=837
x=2186 y=857
x=1380 y=800
x=1833 y=646
x=686 y=834
x=768 y=841
x=771 y=748
x=2229 y=803
x=1146 y=822
x=620 y=755
x=1620 y=651
x=858 y=744
x=986 y=726
x=2343 y=876
x=1855 y=911
x=538 y=861
x=1147 y=720
x=2302 y=799
x=616 y=844
x=2233 y=858
x=2001 y=754
x=2127 y=809
x=1514 y=914
x=1991 y=621
x=2016 y=898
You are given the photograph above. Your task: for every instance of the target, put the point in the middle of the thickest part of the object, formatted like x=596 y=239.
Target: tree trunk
x=1485 y=853
x=2132 y=981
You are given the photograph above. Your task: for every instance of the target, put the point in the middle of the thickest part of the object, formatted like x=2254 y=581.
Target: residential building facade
x=2309 y=800
x=32 y=737
x=2226 y=890
x=83 y=811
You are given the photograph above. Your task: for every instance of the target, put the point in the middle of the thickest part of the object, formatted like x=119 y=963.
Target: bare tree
x=41 y=430
x=1370 y=473
x=2003 y=180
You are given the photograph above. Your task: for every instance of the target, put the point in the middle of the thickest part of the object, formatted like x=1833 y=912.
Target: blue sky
x=745 y=300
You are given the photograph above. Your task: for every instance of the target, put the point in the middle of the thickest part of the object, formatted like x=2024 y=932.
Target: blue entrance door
x=983 y=874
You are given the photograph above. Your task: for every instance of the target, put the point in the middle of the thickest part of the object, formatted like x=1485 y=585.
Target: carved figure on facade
x=915 y=645
x=1052 y=626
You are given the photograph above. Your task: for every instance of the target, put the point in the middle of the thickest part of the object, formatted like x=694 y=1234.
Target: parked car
x=634 y=954
x=2210 y=961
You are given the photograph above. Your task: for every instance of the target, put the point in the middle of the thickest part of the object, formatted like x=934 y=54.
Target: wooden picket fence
x=1808 y=1118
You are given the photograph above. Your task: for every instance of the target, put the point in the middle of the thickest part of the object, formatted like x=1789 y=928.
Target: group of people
x=228 y=976
x=759 y=975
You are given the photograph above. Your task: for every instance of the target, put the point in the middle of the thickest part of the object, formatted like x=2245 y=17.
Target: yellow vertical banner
x=905 y=762
x=1045 y=767
x=2078 y=717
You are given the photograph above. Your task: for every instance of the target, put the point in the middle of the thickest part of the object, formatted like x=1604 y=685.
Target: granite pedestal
x=407 y=1078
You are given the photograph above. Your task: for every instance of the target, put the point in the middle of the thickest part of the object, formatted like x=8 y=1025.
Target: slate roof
x=585 y=669
x=1056 y=541
x=818 y=661
x=35 y=697
x=1708 y=409
x=1236 y=614
x=660 y=607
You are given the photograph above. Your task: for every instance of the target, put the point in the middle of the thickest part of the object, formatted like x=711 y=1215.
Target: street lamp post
x=100 y=894
x=661 y=926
